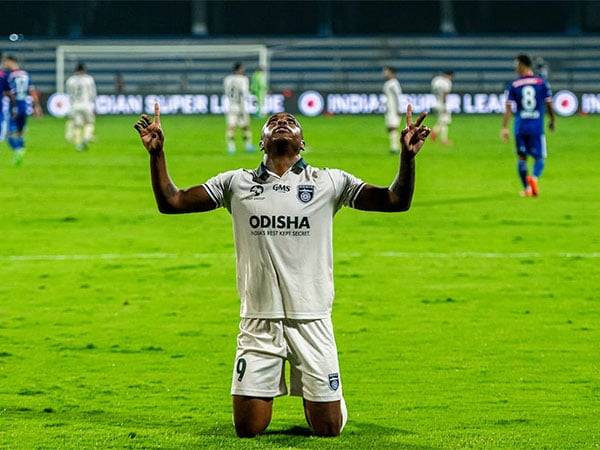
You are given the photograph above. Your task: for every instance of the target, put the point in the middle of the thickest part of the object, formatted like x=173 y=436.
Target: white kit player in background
x=81 y=89
x=237 y=90
x=392 y=91
x=441 y=86
x=282 y=216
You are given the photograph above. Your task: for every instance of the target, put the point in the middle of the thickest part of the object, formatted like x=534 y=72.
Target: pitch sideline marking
x=434 y=255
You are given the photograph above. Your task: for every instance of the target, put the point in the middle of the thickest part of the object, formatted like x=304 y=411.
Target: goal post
x=153 y=63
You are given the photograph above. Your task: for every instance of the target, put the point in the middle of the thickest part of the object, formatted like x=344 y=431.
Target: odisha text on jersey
x=282 y=222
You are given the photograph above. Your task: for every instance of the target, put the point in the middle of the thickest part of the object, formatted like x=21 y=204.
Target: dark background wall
x=104 y=18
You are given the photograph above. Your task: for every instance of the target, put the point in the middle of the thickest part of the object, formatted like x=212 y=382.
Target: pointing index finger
x=157 y=114
x=409 y=115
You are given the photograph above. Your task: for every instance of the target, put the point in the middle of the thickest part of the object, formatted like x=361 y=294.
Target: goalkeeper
x=258 y=88
x=283 y=217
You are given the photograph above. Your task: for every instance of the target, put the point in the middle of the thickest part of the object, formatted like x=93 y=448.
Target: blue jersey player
x=3 y=104
x=530 y=95
x=18 y=87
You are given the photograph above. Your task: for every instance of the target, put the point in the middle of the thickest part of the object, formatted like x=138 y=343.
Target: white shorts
x=392 y=119
x=237 y=119
x=444 y=117
x=264 y=345
x=82 y=116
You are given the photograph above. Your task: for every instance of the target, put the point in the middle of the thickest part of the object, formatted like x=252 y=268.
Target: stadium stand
x=337 y=64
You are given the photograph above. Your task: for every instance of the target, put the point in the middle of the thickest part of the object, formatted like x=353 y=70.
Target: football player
x=530 y=95
x=282 y=214
x=236 y=88
x=81 y=89
x=392 y=91
x=441 y=86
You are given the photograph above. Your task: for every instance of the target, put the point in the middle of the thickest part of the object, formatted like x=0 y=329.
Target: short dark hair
x=12 y=58
x=80 y=67
x=390 y=68
x=524 y=59
x=448 y=72
x=237 y=66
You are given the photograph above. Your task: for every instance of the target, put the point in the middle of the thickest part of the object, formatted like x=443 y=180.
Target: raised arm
x=399 y=195
x=169 y=198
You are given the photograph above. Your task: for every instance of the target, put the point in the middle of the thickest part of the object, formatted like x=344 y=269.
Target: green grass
x=461 y=323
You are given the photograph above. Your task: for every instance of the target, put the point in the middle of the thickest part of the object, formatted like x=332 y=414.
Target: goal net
x=168 y=69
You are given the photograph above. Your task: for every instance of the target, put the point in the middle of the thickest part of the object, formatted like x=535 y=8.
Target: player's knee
x=329 y=428
x=249 y=429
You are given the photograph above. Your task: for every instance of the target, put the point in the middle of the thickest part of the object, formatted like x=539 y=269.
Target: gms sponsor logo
x=279 y=225
x=283 y=188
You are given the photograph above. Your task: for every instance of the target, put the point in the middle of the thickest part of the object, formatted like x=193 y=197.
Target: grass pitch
x=473 y=320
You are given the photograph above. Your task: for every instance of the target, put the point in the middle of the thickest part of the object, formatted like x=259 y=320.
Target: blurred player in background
x=81 y=90
x=19 y=89
x=3 y=103
x=541 y=67
x=392 y=91
x=236 y=88
x=529 y=95
x=258 y=88
x=282 y=214
x=441 y=86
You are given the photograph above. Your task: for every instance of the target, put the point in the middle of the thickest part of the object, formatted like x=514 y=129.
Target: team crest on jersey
x=306 y=192
x=334 y=381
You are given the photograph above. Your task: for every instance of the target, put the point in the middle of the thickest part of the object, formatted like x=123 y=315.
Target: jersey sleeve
x=510 y=94
x=346 y=187
x=219 y=188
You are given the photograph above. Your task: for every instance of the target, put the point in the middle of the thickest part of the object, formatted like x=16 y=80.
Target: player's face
x=282 y=127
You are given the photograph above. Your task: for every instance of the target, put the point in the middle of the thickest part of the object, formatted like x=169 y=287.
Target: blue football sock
x=15 y=142
x=522 y=167
x=538 y=167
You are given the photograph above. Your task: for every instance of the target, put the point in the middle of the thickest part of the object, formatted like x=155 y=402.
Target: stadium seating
x=337 y=64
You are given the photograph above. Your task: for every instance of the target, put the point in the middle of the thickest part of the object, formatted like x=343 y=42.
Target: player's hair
x=448 y=72
x=390 y=68
x=524 y=59
x=237 y=66
x=12 y=58
x=80 y=67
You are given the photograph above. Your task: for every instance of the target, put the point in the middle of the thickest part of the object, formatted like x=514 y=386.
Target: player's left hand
x=504 y=135
x=414 y=135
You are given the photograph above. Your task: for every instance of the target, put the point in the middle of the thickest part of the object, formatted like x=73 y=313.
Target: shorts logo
x=306 y=192
x=257 y=190
x=334 y=381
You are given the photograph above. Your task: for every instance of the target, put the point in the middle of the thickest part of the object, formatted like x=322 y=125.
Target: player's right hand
x=504 y=135
x=150 y=131
x=551 y=126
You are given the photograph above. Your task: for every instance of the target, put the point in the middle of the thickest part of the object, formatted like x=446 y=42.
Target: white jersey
x=283 y=236
x=237 y=89
x=392 y=91
x=441 y=87
x=81 y=89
